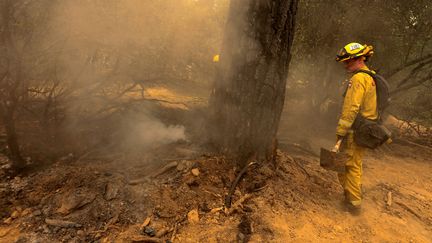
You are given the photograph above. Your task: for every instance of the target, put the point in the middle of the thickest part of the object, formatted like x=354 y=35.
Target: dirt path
x=408 y=218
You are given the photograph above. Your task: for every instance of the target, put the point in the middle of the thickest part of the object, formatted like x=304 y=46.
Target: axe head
x=330 y=160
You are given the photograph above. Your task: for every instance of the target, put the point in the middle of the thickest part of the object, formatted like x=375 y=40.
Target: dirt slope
x=107 y=199
x=407 y=218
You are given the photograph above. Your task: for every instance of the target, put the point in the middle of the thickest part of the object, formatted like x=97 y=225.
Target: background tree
x=22 y=25
x=248 y=97
x=74 y=74
x=400 y=33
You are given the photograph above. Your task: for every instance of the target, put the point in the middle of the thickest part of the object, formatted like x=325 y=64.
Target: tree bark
x=11 y=137
x=247 y=99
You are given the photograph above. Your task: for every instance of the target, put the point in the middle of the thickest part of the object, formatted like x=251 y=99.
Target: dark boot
x=348 y=206
x=353 y=210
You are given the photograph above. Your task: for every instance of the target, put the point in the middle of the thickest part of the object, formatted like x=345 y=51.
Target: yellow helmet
x=354 y=50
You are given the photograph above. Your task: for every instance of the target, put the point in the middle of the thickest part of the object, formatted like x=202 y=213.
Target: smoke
x=110 y=54
x=149 y=132
x=93 y=52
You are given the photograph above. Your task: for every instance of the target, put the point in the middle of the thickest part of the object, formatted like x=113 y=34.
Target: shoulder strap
x=359 y=71
x=372 y=74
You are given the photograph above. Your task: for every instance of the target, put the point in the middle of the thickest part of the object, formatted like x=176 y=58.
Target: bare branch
x=408 y=64
x=413 y=73
x=410 y=86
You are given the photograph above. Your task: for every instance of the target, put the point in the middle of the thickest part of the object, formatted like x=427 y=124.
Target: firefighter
x=359 y=99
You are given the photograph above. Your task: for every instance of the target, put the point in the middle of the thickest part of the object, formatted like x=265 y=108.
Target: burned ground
x=96 y=199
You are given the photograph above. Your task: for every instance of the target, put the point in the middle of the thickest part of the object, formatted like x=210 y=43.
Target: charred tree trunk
x=249 y=91
x=11 y=87
x=12 y=139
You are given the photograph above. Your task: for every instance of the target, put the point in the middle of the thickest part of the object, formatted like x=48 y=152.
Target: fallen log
x=62 y=223
x=406 y=142
x=145 y=239
x=164 y=169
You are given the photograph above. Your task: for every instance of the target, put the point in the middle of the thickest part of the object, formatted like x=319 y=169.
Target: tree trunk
x=249 y=91
x=11 y=136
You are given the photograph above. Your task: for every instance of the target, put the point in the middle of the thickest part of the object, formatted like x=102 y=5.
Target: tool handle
x=336 y=148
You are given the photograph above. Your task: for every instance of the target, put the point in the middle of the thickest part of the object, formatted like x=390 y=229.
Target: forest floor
x=176 y=193
x=110 y=199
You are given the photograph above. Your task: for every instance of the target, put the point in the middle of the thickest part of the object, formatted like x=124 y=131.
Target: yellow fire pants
x=351 y=178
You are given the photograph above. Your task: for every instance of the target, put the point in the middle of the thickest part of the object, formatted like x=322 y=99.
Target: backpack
x=382 y=90
x=372 y=134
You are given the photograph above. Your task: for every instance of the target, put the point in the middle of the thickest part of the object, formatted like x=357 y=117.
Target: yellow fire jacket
x=360 y=98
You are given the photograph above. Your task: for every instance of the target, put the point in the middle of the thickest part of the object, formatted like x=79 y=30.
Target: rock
x=74 y=201
x=150 y=231
x=43 y=201
x=241 y=237
x=111 y=191
x=191 y=181
x=15 y=214
x=26 y=212
x=195 y=171
x=76 y=240
x=36 y=213
x=39 y=229
x=46 y=210
x=66 y=238
x=181 y=166
x=216 y=210
x=389 y=199
x=46 y=230
x=184 y=165
x=17 y=184
x=81 y=233
x=193 y=216
x=62 y=223
x=145 y=223
x=22 y=239
x=338 y=229
x=55 y=229
x=162 y=232
x=204 y=207
x=8 y=220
